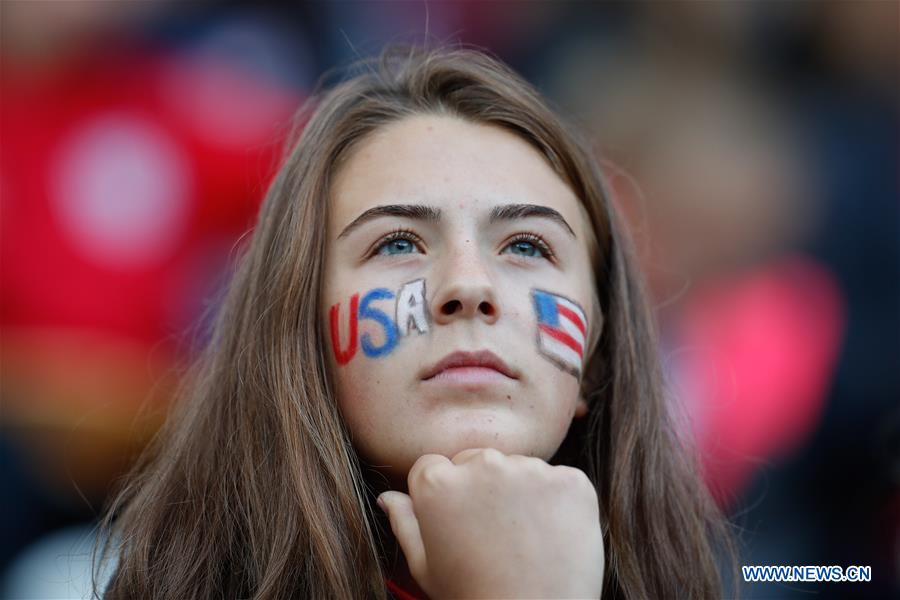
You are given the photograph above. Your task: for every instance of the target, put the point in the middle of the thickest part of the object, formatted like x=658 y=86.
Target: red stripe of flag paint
x=562 y=330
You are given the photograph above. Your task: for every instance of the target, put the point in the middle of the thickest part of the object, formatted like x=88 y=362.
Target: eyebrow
x=508 y=212
x=421 y=212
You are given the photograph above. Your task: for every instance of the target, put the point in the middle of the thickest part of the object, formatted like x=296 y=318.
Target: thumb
x=399 y=509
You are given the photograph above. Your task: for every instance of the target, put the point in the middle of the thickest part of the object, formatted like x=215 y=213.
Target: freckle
x=531 y=406
x=507 y=397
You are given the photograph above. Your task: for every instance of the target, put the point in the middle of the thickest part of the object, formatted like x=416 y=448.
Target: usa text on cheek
x=410 y=313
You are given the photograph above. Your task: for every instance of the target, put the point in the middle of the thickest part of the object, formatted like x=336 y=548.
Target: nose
x=466 y=291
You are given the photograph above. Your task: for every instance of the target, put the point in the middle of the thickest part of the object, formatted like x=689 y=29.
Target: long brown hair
x=252 y=488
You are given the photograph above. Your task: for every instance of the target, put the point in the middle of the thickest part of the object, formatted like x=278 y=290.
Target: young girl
x=439 y=311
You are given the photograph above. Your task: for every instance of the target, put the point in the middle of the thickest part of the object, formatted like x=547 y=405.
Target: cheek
x=561 y=331
x=372 y=403
x=376 y=322
x=556 y=393
x=360 y=394
x=560 y=338
x=368 y=339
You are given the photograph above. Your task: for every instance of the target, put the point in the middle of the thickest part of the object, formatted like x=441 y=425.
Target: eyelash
x=407 y=234
x=535 y=239
x=398 y=234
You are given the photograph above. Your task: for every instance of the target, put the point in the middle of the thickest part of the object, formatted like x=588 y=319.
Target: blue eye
x=524 y=248
x=530 y=245
x=397 y=242
x=403 y=241
x=400 y=245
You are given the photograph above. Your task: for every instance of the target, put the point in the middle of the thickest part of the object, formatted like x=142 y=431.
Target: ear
x=581 y=407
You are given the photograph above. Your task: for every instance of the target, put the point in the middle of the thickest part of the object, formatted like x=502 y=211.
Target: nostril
x=487 y=308
x=450 y=307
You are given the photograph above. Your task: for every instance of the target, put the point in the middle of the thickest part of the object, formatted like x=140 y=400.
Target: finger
x=405 y=526
x=424 y=462
x=534 y=461
x=468 y=454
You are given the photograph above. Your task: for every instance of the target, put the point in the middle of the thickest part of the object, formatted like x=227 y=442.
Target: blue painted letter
x=390 y=329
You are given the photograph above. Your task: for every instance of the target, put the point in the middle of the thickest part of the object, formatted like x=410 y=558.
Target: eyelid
x=398 y=233
x=404 y=233
x=538 y=240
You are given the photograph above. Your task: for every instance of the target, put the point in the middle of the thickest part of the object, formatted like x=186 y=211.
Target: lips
x=482 y=358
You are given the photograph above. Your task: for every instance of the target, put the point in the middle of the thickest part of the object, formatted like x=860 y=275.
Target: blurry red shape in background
x=81 y=149
x=121 y=208
x=761 y=355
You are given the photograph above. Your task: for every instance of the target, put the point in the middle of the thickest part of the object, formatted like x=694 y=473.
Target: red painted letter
x=344 y=356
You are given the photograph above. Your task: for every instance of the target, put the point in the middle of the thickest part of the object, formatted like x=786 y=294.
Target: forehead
x=464 y=168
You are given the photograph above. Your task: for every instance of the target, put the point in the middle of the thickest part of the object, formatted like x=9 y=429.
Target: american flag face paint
x=562 y=330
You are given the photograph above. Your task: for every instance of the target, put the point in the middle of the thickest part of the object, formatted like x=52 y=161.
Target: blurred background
x=753 y=147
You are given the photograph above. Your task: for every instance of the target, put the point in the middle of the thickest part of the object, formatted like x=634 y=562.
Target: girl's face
x=446 y=236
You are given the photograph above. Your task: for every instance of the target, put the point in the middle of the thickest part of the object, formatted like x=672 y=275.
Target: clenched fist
x=490 y=525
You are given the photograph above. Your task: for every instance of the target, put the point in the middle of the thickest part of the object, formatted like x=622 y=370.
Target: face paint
x=411 y=311
x=411 y=307
x=390 y=330
x=562 y=330
x=343 y=356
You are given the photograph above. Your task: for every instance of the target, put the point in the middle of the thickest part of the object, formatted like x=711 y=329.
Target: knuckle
x=532 y=463
x=485 y=457
x=427 y=473
x=464 y=455
x=430 y=477
x=491 y=456
x=573 y=478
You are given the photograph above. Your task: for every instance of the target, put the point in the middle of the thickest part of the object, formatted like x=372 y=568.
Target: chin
x=484 y=435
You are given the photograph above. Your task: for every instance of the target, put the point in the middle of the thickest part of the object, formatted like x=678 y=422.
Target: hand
x=490 y=525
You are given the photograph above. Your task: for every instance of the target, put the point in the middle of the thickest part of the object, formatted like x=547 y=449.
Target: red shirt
x=398 y=592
